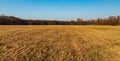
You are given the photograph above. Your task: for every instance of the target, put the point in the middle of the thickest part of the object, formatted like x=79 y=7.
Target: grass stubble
x=59 y=43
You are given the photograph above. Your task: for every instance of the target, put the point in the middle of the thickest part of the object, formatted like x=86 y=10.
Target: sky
x=60 y=9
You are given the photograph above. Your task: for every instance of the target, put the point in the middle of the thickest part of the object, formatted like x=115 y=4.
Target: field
x=59 y=43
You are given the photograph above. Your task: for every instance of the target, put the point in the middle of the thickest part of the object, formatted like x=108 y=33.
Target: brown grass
x=59 y=43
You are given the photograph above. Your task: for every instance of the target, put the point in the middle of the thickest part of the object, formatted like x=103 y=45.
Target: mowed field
x=59 y=43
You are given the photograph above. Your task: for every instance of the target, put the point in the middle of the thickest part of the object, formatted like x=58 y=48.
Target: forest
x=11 y=20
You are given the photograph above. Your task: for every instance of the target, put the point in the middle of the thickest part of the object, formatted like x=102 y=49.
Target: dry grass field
x=59 y=43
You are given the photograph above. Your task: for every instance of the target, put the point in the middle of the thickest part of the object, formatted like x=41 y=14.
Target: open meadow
x=59 y=43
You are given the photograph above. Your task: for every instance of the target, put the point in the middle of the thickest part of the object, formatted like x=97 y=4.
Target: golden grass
x=59 y=43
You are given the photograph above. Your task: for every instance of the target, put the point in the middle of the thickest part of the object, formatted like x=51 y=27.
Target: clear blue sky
x=60 y=9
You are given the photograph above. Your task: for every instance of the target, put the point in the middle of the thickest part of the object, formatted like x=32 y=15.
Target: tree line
x=11 y=20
